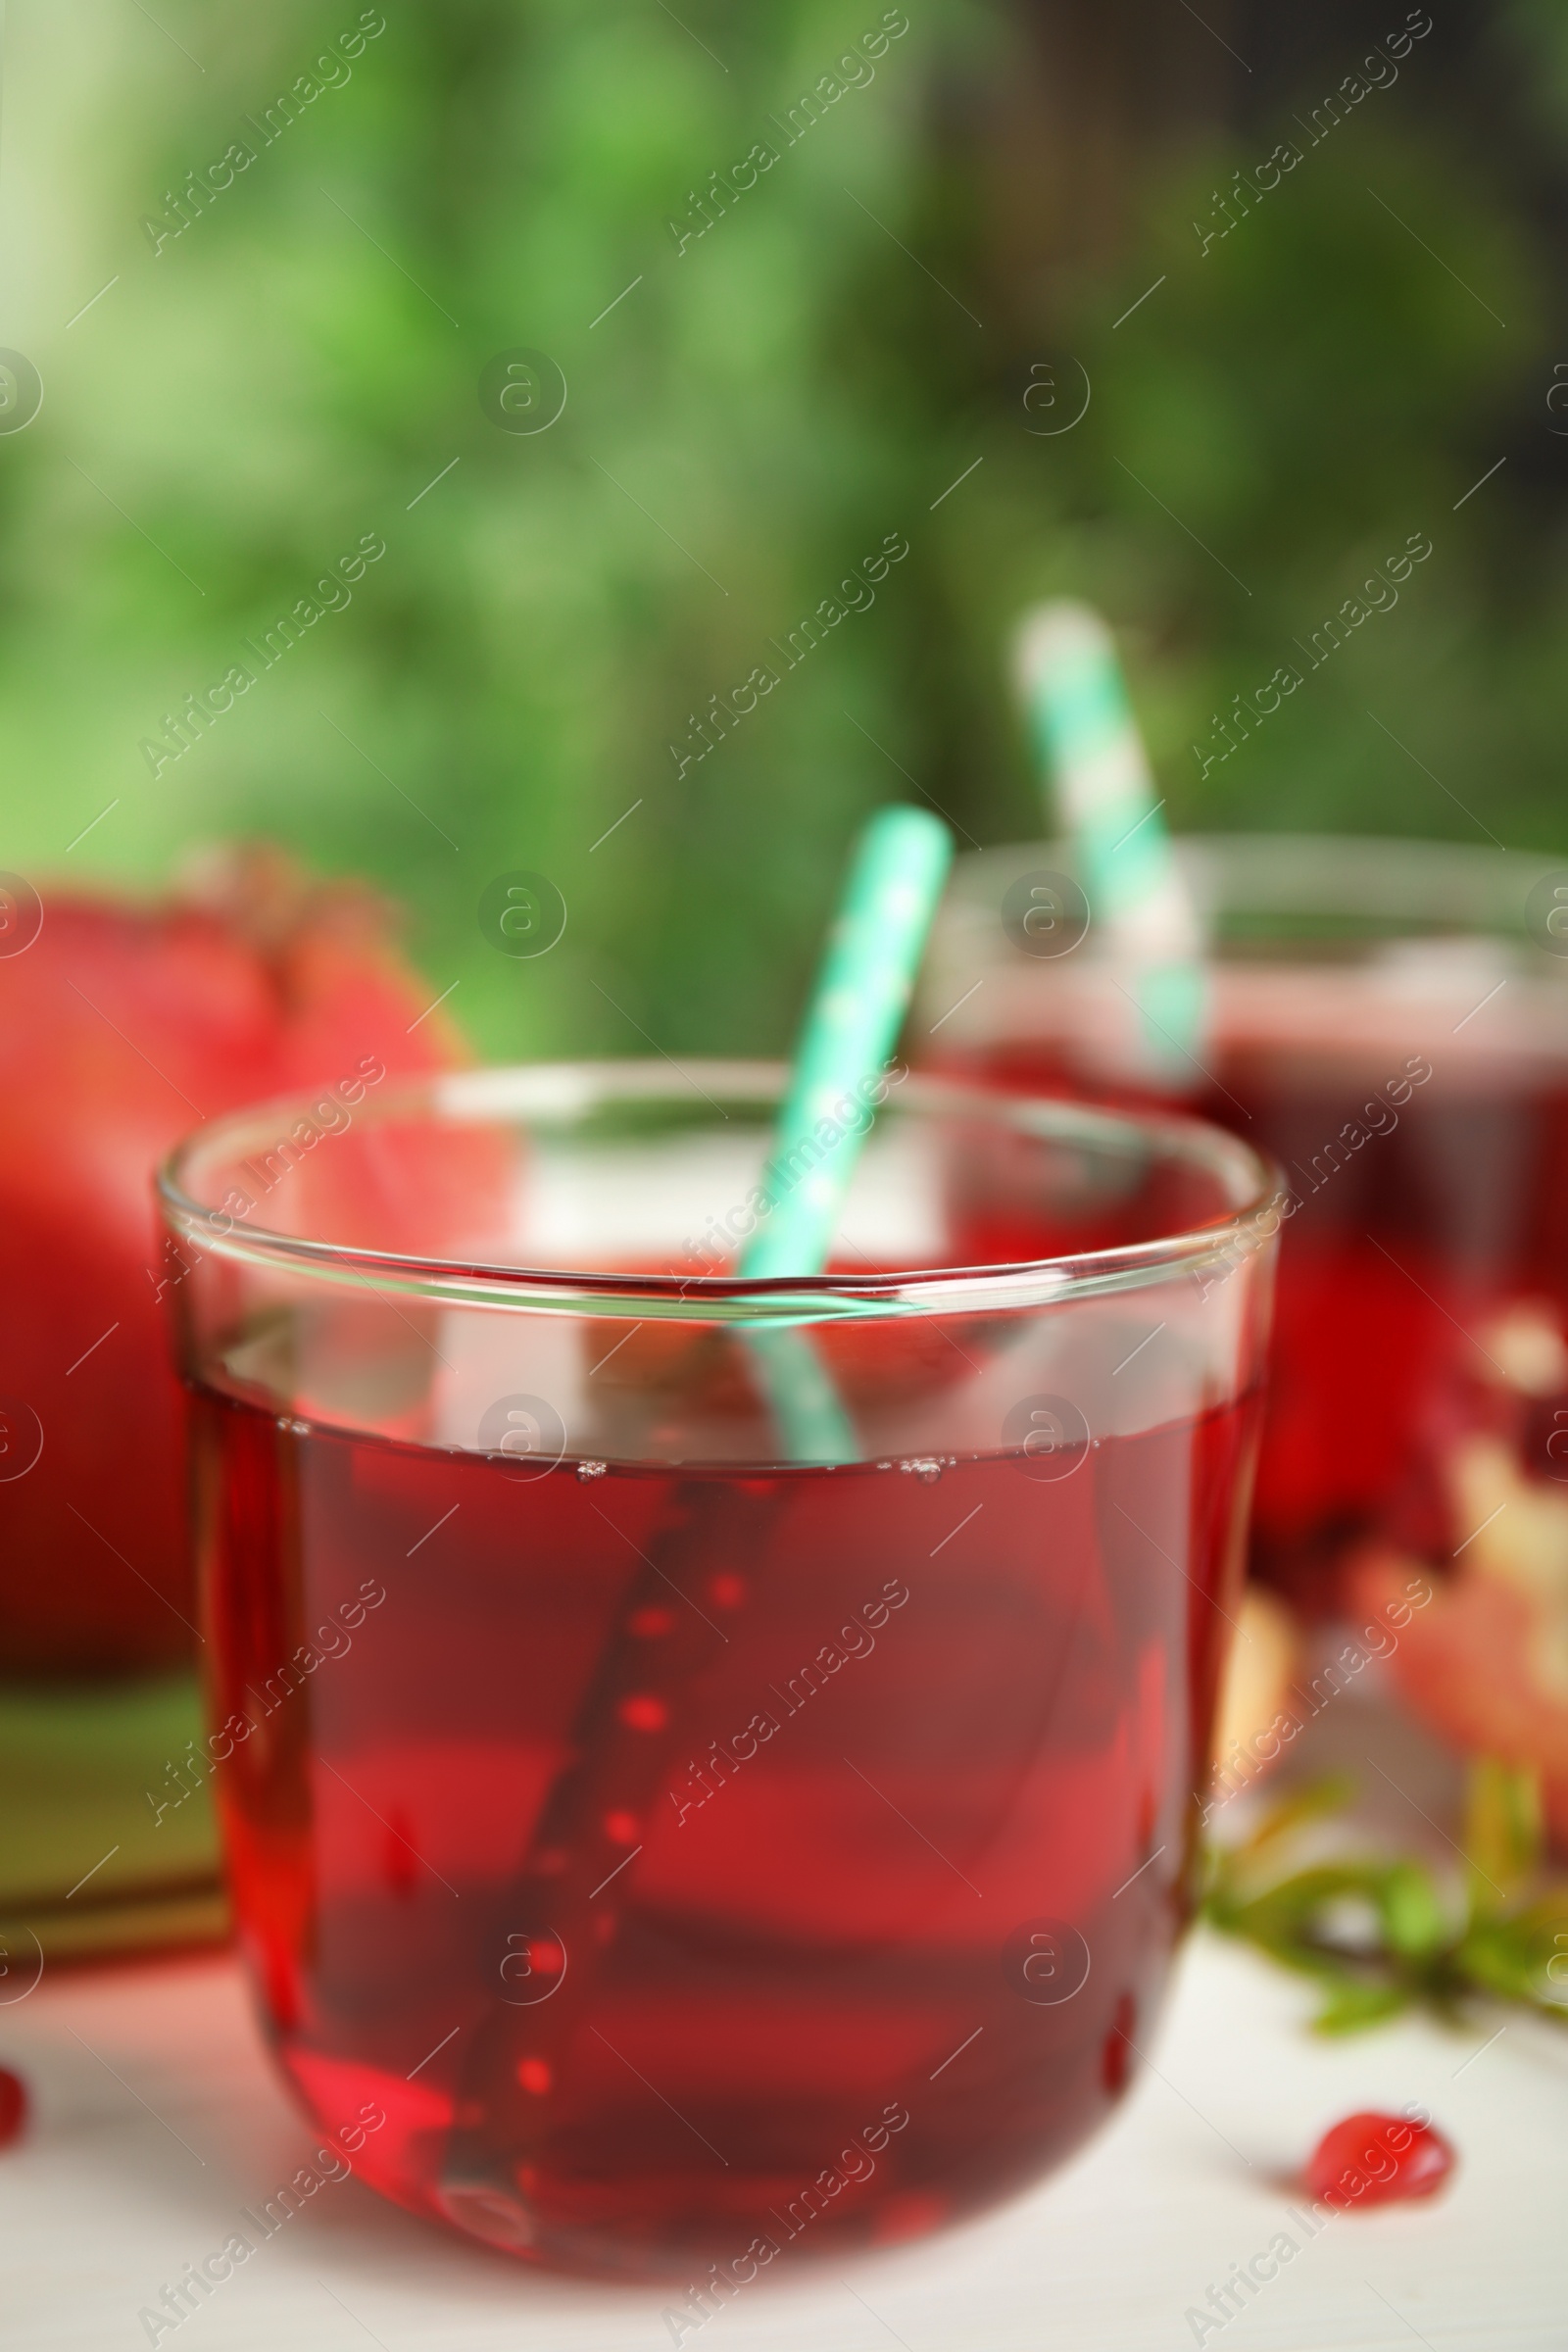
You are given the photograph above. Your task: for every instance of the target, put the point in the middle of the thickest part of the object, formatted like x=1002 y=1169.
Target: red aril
x=123 y=1026
x=14 y=2105
x=1375 y=2159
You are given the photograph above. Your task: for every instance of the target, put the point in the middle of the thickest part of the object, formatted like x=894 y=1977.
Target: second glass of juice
x=1389 y=1022
x=659 y=1846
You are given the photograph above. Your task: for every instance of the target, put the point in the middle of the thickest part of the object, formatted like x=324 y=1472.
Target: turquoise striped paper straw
x=858 y=1007
x=863 y=992
x=1087 y=742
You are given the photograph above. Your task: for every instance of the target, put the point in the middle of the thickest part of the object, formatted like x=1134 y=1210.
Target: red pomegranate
x=122 y=1026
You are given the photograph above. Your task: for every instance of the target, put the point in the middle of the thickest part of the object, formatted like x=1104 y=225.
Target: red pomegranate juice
x=697 y=1865
x=1422 y=1288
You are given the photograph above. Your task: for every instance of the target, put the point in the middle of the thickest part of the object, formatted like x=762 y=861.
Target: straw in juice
x=1088 y=745
x=862 y=996
x=636 y=1712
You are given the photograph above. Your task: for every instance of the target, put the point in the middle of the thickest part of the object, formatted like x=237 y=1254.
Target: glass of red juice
x=1389 y=1022
x=654 y=1850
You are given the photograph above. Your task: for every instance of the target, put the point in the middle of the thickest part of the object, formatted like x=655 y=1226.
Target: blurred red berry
x=14 y=2105
x=123 y=1026
x=1375 y=2159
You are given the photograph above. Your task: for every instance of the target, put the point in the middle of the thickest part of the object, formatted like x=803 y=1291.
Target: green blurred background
x=920 y=289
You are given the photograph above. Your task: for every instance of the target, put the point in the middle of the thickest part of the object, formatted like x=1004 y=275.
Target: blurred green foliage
x=744 y=424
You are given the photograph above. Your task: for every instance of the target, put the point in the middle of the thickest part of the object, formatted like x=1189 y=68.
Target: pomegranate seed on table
x=1375 y=2159
x=14 y=2105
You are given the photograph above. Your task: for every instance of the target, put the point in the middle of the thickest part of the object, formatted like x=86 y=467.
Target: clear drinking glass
x=651 y=1844
x=1389 y=1024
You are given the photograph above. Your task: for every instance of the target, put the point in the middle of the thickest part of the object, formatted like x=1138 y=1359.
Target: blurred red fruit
x=1484 y=1661
x=13 y=2106
x=122 y=1027
x=1375 y=2159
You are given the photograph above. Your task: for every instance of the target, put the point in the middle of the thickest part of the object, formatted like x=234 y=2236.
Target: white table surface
x=128 y=2174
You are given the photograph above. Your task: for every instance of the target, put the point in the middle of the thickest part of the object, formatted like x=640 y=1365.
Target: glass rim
x=544 y=1091
x=1416 y=880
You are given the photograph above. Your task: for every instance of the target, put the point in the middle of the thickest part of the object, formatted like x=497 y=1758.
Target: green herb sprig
x=1378 y=1935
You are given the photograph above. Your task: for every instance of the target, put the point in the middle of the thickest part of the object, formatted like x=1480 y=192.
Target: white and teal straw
x=850 y=1028
x=857 y=1006
x=1088 y=744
